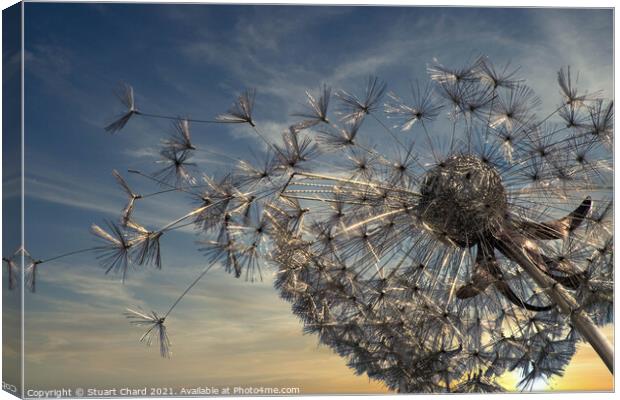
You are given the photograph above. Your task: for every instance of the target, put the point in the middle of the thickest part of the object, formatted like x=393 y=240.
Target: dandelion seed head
x=463 y=198
x=428 y=262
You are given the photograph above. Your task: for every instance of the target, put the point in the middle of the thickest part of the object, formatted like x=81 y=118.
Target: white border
x=454 y=3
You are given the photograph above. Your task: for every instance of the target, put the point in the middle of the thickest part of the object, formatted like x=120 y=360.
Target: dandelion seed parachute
x=316 y=112
x=177 y=170
x=12 y=270
x=30 y=268
x=126 y=96
x=145 y=247
x=156 y=331
x=354 y=107
x=241 y=110
x=31 y=275
x=127 y=211
x=422 y=109
x=296 y=150
x=114 y=250
x=497 y=77
x=13 y=267
x=181 y=136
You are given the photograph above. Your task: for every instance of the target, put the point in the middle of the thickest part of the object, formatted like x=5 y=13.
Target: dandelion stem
x=71 y=253
x=159 y=192
x=194 y=212
x=267 y=142
x=532 y=263
x=200 y=121
x=159 y=181
x=191 y=285
x=374 y=218
x=355 y=182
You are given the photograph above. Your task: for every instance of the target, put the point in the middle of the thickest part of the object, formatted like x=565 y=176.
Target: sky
x=192 y=60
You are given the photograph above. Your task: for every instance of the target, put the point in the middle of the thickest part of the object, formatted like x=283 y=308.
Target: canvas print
x=215 y=200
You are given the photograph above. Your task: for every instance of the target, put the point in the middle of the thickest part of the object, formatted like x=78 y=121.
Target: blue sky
x=192 y=60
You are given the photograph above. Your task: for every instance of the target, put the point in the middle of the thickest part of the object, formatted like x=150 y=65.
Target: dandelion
x=469 y=218
x=155 y=329
x=125 y=95
x=432 y=265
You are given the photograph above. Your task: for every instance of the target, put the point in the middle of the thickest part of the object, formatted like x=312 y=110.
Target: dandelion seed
x=214 y=203
x=573 y=115
x=180 y=140
x=296 y=149
x=478 y=383
x=354 y=107
x=127 y=211
x=345 y=136
x=568 y=90
x=177 y=169
x=514 y=108
x=504 y=77
x=316 y=109
x=601 y=121
x=12 y=271
x=252 y=175
x=363 y=164
x=225 y=250
x=31 y=274
x=423 y=109
x=241 y=110
x=145 y=245
x=476 y=100
x=442 y=74
x=156 y=330
x=125 y=95
x=114 y=252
